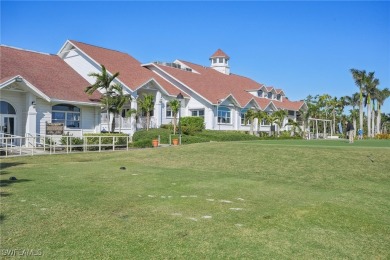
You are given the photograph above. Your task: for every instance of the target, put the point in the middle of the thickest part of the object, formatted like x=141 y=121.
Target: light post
x=179 y=98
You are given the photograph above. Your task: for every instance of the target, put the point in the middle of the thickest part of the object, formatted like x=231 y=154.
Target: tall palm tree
x=116 y=103
x=174 y=104
x=147 y=105
x=279 y=116
x=260 y=115
x=359 y=77
x=370 y=85
x=381 y=96
x=102 y=83
x=354 y=102
x=250 y=116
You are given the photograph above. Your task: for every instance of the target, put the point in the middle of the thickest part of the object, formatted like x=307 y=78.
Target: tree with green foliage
x=174 y=104
x=116 y=102
x=370 y=85
x=279 y=117
x=260 y=115
x=250 y=116
x=381 y=96
x=103 y=81
x=359 y=77
x=146 y=104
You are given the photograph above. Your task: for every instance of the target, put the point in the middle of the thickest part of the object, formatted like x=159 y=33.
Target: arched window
x=69 y=115
x=6 y=108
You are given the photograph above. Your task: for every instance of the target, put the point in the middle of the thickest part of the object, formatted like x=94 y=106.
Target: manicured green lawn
x=253 y=200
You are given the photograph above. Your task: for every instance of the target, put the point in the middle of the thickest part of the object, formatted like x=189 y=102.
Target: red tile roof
x=132 y=74
x=213 y=86
x=48 y=73
x=219 y=53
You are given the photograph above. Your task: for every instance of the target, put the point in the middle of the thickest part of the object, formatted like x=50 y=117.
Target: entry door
x=7 y=125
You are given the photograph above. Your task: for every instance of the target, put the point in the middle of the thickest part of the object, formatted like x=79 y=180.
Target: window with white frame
x=220 y=60
x=69 y=115
x=279 y=97
x=168 y=111
x=197 y=112
x=291 y=113
x=243 y=112
x=270 y=95
x=224 y=115
x=260 y=93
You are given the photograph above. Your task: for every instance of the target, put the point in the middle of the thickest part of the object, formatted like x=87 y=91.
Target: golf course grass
x=221 y=200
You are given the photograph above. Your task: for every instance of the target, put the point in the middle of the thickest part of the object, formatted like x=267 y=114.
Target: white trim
x=155 y=65
x=61 y=101
x=34 y=89
x=96 y=63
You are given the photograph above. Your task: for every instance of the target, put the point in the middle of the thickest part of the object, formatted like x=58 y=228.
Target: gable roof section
x=213 y=85
x=48 y=73
x=131 y=73
x=289 y=105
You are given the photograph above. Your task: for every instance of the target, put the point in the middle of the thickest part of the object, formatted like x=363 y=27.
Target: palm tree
x=116 y=103
x=354 y=102
x=260 y=115
x=103 y=82
x=147 y=105
x=381 y=96
x=250 y=116
x=370 y=85
x=294 y=127
x=174 y=104
x=279 y=116
x=359 y=77
x=270 y=118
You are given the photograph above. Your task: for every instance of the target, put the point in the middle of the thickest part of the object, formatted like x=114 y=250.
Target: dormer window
x=270 y=95
x=279 y=97
x=215 y=60
x=220 y=60
x=260 y=93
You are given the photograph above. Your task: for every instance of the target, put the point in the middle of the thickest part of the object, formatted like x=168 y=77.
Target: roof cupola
x=219 y=62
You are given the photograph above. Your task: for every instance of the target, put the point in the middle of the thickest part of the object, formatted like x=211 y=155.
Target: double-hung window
x=197 y=112
x=224 y=115
x=69 y=115
x=243 y=112
x=168 y=111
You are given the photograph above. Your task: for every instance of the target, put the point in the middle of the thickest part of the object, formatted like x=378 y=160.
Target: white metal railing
x=52 y=144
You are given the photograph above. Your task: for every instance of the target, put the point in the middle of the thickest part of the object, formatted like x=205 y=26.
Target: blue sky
x=302 y=47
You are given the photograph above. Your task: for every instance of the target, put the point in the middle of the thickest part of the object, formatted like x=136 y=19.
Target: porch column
x=31 y=119
x=158 y=109
x=133 y=121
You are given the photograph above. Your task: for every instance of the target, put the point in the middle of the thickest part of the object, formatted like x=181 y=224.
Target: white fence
x=11 y=145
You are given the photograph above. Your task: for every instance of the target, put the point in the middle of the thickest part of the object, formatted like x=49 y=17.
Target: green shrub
x=143 y=143
x=73 y=140
x=167 y=126
x=190 y=125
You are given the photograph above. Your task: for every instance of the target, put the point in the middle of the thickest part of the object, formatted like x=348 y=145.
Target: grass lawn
x=249 y=199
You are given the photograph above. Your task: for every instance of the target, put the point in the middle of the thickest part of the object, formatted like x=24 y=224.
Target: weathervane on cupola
x=219 y=62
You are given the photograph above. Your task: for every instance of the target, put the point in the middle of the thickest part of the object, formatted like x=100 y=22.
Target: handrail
x=13 y=145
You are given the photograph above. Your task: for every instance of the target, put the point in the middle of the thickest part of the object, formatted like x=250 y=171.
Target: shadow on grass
x=8 y=165
x=4 y=183
x=4 y=194
x=2 y=217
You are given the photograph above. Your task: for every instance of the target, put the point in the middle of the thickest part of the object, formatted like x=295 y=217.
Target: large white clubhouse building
x=38 y=88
